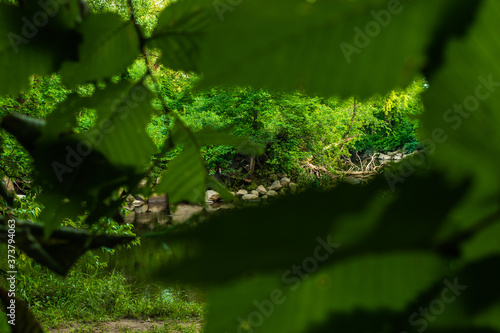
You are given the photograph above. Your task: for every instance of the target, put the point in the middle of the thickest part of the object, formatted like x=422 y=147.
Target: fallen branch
x=315 y=170
x=353 y=173
x=354 y=108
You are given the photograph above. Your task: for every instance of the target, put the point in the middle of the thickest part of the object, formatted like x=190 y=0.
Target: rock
x=262 y=190
x=142 y=183
x=293 y=187
x=140 y=206
x=385 y=157
x=241 y=193
x=276 y=186
x=254 y=192
x=157 y=199
x=212 y=196
x=248 y=197
x=130 y=198
x=140 y=196
x=393 y=157
x=138 y=203
x=264 y=197
x=352 y=180
x=141 y=209
x=20 y=196
x=9 y=185
x=285 y=181
x=272 y=193
x=213 y=207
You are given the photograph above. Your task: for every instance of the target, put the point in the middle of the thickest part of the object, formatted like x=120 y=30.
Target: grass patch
x=90 y=299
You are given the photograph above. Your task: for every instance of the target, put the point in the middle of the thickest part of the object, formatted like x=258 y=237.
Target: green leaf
x=321 y=47
x=212 y=183
x=65 y=15
x=109 y=46
x=485 y=243
x=454 y=23
x=185 y=178
x=361 y=321
x=121 y=123
x=383 y=282
x=4 y=326
x=63 y=248
x=28 y=47
x=66 y=162
x=383 y=321
x=465 y=299
x=26 y=130
x=118 y=146
x=461 y=105
x=364 y=220
x=179 y=32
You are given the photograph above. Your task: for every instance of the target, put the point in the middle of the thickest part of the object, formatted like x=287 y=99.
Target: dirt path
x=131 y=326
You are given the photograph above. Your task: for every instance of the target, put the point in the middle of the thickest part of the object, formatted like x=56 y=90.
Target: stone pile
x=277 y=188
x=392 y=156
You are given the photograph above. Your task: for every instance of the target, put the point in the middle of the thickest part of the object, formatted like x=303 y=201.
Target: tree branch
x=355 y=106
